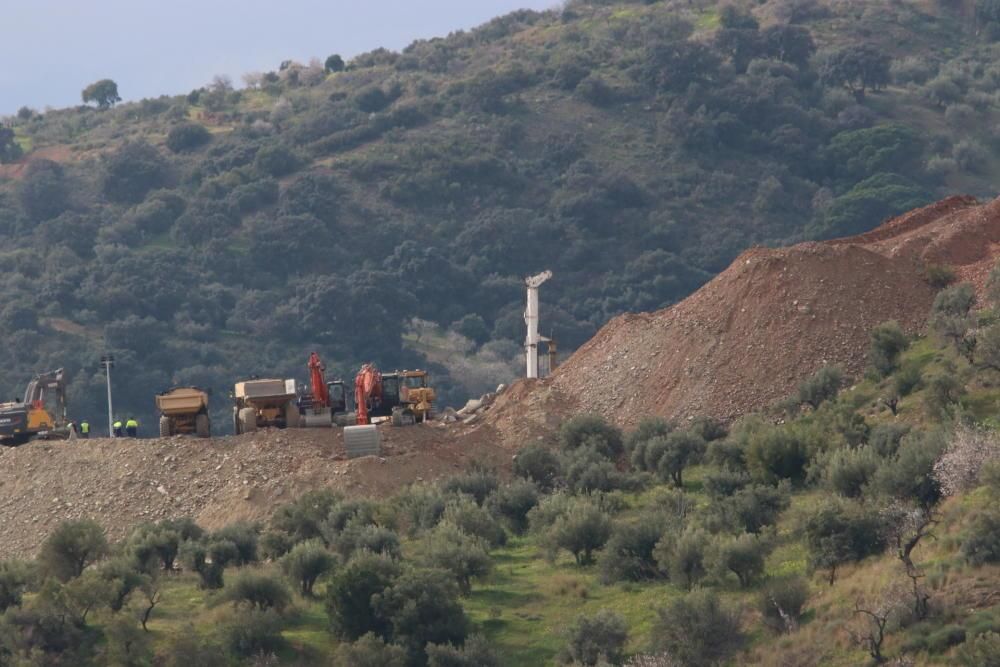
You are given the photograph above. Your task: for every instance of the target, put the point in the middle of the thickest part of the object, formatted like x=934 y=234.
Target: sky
x=51 y=49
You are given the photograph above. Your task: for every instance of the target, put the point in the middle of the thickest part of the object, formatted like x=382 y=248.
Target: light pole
x=108 y=362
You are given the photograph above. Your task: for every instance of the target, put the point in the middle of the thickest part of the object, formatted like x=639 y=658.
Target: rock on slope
x=748 y=337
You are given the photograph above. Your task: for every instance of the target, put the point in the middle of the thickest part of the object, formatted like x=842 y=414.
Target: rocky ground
x=124 y=482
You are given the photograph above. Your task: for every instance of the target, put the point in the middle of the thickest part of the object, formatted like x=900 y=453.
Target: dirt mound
x=124 y=482
x=748 y=337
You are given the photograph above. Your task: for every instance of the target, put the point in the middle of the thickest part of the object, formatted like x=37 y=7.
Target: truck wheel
x=248 y=420
x=164 y=427
x=236 y=421
x=202 y=426
x=291 y=415
x=397 y=417
x=409 y=419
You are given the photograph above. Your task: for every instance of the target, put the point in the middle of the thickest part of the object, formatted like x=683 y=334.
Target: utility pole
x=108 y=362
x=531 y=319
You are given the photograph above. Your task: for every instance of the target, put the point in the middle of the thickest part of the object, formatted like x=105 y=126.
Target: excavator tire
x=248 y=420
x=397 y=417
x=202 y=426
x=165 y=427
x=292 y=415
x=409 y=419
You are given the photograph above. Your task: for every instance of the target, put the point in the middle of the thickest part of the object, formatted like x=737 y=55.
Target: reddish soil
x=747 y=338
x=15 y=170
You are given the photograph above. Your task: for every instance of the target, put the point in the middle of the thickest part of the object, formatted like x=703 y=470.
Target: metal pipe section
x=531 y=320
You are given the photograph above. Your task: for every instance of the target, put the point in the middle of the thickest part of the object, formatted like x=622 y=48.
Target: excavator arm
x=320 y=390
x=367 y=386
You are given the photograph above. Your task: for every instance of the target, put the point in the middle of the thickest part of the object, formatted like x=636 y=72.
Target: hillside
x=634 y=148
x=748 y=338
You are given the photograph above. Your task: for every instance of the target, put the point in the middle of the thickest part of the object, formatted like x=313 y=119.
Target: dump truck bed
x=181 y=401
x=258 y=389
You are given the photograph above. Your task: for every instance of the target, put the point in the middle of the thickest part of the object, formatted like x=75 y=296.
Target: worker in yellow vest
x=132 y=427
x=117 y=428
x=85 y=429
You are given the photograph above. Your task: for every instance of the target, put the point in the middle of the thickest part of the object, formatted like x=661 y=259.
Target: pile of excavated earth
x=746 y=339
x=742 y=342
x=123 y=482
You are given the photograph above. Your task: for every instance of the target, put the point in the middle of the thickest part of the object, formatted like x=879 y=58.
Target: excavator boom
x=320 y=390
x=367 y=387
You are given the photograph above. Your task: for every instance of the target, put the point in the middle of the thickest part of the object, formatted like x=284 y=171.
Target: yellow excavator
x=41 y=415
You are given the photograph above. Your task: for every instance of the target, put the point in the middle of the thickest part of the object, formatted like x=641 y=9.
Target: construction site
x=739 y=344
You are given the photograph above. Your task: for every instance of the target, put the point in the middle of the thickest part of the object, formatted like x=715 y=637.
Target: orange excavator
x=403 y=396
x=325 y=399
x=367 y=392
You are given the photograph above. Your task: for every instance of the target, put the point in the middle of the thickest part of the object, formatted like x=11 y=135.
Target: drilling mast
x=531 y=319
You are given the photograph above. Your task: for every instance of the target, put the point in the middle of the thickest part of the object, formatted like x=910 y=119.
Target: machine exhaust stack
x=531 y=319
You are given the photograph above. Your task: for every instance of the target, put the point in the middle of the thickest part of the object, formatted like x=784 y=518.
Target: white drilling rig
x=531 y=319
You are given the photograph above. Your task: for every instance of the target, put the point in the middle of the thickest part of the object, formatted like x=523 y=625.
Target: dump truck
x=263 y=403
x=184 y=411
x=41 y=415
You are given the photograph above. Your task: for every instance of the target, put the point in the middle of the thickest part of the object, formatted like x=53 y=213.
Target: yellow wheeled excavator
x=41 y=415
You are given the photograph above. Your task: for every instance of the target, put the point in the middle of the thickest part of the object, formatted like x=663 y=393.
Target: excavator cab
x=42 y=413
x=338 y=396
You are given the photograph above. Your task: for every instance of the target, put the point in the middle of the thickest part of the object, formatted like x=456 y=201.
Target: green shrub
x=724 y=482
x=944 y=638
x=697 y=630
x=909 y=475
x=848 y=470
x=842 y=532
x=742 y=555
x=466 y=557
x=132 y=171
x=253 y=633
x=187 y=648
x=369 y=651
x=683 y=557
x=591 y=430
x=538 y=464
x=885 y=438
x=708 y=429
x=648 y=428
x=628 y=554
x=513 y=502
x=257 y=590
x=579 y=527
x=981 y=542
x=71 y=547
x=476 y=652
x=907 y=379
x=302 y=519
x=478 y=483
x=782 y=601
x=276 y=160
x=474 y=520
x=306 y=563
x=209 y=559
x=888 y=342
x=667 y=456
x=187 y=136
x=586 y=471
x=15 y=576
x=778 y=453
x=244 y=536
x=350 y=596
x=821 y=387
x=939 y=276
x=981 y=651
x=596 y=639
x=753 y=508
x=358 y=537
x=422 y=607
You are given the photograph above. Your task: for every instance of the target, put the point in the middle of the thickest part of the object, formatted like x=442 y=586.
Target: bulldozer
x=184 y=411
x=41 y=415
x=263 y=403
